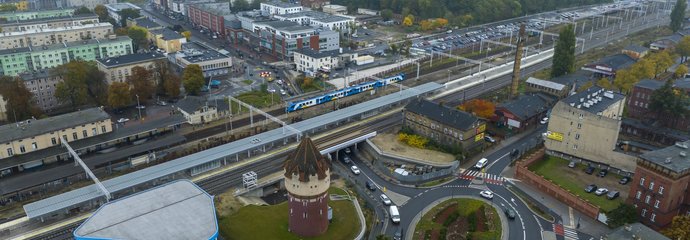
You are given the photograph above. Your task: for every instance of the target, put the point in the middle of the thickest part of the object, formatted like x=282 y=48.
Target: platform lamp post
x=139 y=107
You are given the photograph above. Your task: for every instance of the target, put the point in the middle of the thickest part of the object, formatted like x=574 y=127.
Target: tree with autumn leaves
x=646 y=68
x=679 y=229
x=20 y=105
x=479 y=107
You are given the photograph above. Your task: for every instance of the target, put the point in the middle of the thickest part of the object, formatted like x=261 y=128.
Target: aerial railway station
x=90 y=197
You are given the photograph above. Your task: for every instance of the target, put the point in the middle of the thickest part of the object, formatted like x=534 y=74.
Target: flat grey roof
x=177 y=210
x=91 y=192
x=282 y=4
x=167 y=34
x=196 y=53
x=11 y=132
x=51 y=19
x=594 y=92
x=670 y=157
x=544 y=83
x=130 y=59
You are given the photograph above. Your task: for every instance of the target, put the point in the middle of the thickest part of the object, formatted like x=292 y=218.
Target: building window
x=93 y=131
x=103 y=129
x=22 y=149
x=53 y=140
x=10 y=152
x=641 y=181
x=647 y=198
x=661 y=190
x=644 y=212
x=577 y=136
x=579 y=125
x=653 y=217
x=638 y=195
x=74 y=136
x=34 y=146
x=651 y=185
x=575 y=146
x=656 y=204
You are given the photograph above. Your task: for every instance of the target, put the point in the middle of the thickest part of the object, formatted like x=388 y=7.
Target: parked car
x=489 y=139
x=571 y=164
x=612 y=195
x=370 y=186
x=544 y=120
x=601 y=191
x=486 y=194
x=589 y=170
x=514 y=153
x=122 y=120
x=355 y=170
x=398 y=234
x=624 y=180
x=590 y=188
x=510 y=213
x=603 y=173
x=481 y=163
x=386 y=201
x=347 y=150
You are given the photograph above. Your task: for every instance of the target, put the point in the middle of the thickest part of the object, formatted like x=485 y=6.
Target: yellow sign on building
x=479 y=137
x=481 y=128
x=555 y=136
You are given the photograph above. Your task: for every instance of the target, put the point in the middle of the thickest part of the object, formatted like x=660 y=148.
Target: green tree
x=683 y=48
x=669 y=102
x=20 y=105
x=678 y=15
x=661 y=61
x=623 y=214
x=681 y=70
x=679 y=229
x=386 y=14
x=408 y=20
x=119 y=95
x=605 y=83
x=624 y=81
x=74 y=89
x=564 y=53
x=171 y=84
x=138 y=36
x=127 y=14
x=7 y=7
x=193 y=79
x=102 y=12
x=142 y=83
x=82 y=10
x=585 y=86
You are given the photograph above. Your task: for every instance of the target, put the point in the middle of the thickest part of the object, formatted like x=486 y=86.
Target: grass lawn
x=271 y=222
x=337 y=191
x=575 y=180
x=465 y=208
x=247 y=81
x=258 y=99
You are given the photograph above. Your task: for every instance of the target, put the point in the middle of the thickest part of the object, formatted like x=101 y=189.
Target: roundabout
x=460 y=218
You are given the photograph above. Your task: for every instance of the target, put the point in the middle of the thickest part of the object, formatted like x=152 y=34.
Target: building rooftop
x=281 y=4
x=616 y=62
x=56 y=30
x=190 y=104
x=51 y=19
x=146 y=23
x=635 y=48
x=674 y=158
x=636 y=231
x=683 y=83
x=305 y=161
x=130 y=59
x=121 y=6
x=41 y=74
x=526 y=106
x=652 y=126
x=287 y=26
x=594 y=100
x=177 y=210
x=195 y=53
x=547 y=84
x=578 y=78
x=316 y=54
x=314 y=15
x=167 y=34
x=31 y=128
x=64 y=45
x=454 y=118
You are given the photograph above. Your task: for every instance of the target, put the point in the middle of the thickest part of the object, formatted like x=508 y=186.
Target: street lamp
x=138 y=106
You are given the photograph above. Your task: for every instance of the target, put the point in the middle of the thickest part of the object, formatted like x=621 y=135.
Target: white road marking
x=492 y=163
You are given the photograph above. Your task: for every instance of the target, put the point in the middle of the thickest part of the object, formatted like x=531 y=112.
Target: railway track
x=63 y=233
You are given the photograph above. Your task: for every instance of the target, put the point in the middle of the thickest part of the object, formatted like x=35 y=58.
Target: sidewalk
x=500 y=145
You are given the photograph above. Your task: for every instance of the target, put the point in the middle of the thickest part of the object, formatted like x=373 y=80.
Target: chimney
x=518 y=60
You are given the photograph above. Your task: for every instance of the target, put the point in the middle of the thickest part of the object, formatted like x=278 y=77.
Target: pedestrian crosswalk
x=566 y=232
x=488 y=178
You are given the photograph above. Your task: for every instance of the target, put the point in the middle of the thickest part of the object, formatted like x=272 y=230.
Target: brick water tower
x=307 y=179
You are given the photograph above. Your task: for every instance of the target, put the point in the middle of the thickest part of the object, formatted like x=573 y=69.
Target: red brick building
x=307 y=179
x=659 y=188
x=210 y=16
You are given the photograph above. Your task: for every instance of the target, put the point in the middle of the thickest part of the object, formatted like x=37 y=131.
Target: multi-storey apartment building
x=42 y=85
x=27 y=15
x=444 y=125
x=282 y=38
x=209 y=15
x=278 y=7
x=212 y=63
x=319 y=19
x=659 y=188
x=42 y=37
x=46 y=23
x=118 y=68
x=20 y=60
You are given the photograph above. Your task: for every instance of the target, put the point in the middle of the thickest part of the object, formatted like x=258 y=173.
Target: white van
x=481 y=164
x=395 y=215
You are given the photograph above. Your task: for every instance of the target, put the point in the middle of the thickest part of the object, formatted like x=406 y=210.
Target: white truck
x=395 y=215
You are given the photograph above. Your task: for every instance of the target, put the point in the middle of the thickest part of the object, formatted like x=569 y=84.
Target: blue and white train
x=349 y=91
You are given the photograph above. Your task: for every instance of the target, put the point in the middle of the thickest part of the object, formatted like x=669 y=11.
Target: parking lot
x=575 y=180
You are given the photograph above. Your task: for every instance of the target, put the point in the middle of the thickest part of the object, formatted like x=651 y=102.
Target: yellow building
x=166 y=39
x=117 y=69
x=33 y=135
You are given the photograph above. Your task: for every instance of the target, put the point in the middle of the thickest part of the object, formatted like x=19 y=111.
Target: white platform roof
x=177 y=210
